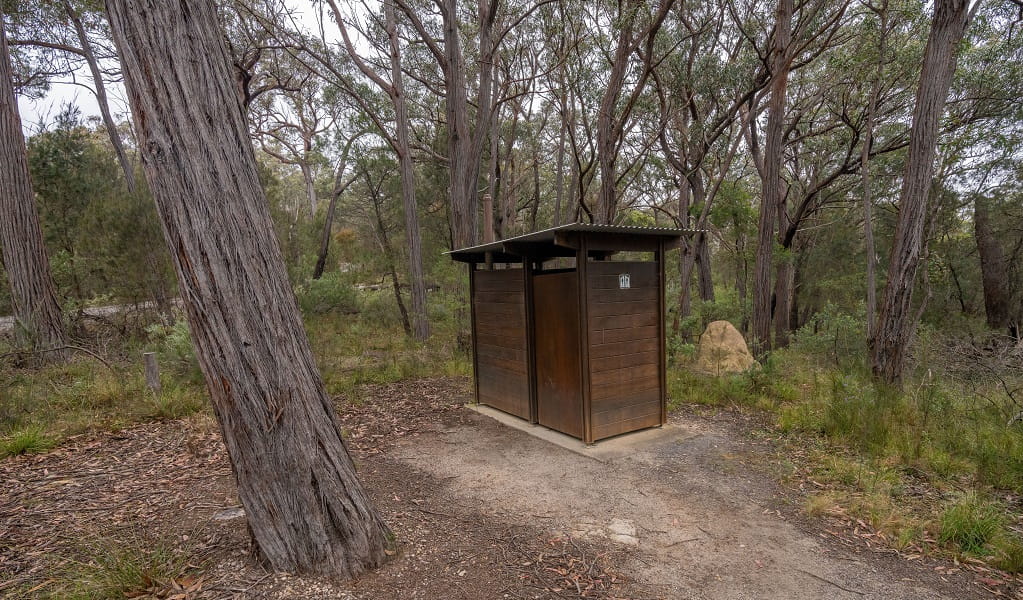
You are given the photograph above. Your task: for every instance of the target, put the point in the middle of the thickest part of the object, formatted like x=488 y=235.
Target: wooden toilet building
x=568 y=337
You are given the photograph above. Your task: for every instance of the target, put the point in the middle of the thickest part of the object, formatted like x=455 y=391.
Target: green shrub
x=173 y=345
x=832 y=337
x=380 y=309
x=1009 y=553
x=330 y=293
x=970 y=523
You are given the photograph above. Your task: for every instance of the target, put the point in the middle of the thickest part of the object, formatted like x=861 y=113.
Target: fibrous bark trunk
x=705 y=277
x=772 y=193
x=306 y=508
x=895 y=323
x=463 y=169
x=994 y=276
x=39 y=323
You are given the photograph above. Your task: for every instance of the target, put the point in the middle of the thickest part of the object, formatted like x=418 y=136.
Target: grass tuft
x=970 y=524
x=113 y=569
x=27 y=440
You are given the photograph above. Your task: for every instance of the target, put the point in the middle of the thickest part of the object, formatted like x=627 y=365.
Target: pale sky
x=42 y=111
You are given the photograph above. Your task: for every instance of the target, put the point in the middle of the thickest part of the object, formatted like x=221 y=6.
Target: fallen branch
x=58 y=348
x=828 y=581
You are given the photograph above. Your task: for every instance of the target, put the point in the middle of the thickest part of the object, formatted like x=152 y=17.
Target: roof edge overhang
x=567 y=240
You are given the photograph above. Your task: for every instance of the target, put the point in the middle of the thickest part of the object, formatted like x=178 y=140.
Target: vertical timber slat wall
x=501 y=344
x=624 y=347
x=580 y=349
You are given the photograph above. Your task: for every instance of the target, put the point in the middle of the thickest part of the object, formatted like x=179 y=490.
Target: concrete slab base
x=606 y=450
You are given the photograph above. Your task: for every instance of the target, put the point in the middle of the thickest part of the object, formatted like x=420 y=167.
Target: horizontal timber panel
x=516 y=404
x=633 y=424
x=639 y=307
x=603 y=405
x=623 y=321
x=624 y=388
x=626 y=334
x=515 y=297
x=511 y=366
x=487 y=352
x=645 y=294
x=492 y=310
x=499 y=383
x=516 y=340
x=504 y=280
x=504 y=327
x=619 y=348
x=636 y=374
x=626 y=360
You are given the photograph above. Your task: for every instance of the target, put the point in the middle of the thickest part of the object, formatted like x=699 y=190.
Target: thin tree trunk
x=328 y=225
x=686 y=259
x=772 y=181
x=101 y=97
x=306 y=509
x=559 y=177
x=868 y=201
x=417 y=280
x=310 y=185
x=705 y=278
x=389 y=254
x=339 y=188
x=39 y=323
x=896 y=324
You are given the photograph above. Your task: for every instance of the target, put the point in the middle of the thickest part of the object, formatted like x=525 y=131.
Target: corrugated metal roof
x=548 y=234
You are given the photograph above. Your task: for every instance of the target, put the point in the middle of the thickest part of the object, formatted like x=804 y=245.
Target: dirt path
x=481 y=511
x=697 y=521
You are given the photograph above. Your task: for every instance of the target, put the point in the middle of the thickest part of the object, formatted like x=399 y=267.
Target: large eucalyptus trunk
x=895 y=321
x=305 y=506
x=772 y=194
x=39 y=324
x=462 y=171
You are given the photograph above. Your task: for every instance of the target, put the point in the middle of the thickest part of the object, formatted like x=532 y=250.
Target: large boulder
x=722 y=350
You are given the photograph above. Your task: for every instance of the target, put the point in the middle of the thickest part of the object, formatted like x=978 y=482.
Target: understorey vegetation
x=274 y=224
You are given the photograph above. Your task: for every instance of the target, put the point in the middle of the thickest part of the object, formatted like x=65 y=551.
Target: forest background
x=389 y=134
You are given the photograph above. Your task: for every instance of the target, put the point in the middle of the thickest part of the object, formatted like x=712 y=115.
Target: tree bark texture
x=420 y=318
x=462 y=173
x=895 y=321
x=39 y=322
x=772 y=193
x=705 y=277
x=306 y=508
x=994 y=275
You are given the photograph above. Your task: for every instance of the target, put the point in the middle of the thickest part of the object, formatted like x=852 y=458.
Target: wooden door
x=559 y=394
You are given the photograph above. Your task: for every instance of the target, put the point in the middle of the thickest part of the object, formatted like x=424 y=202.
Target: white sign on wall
x=623 y=281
